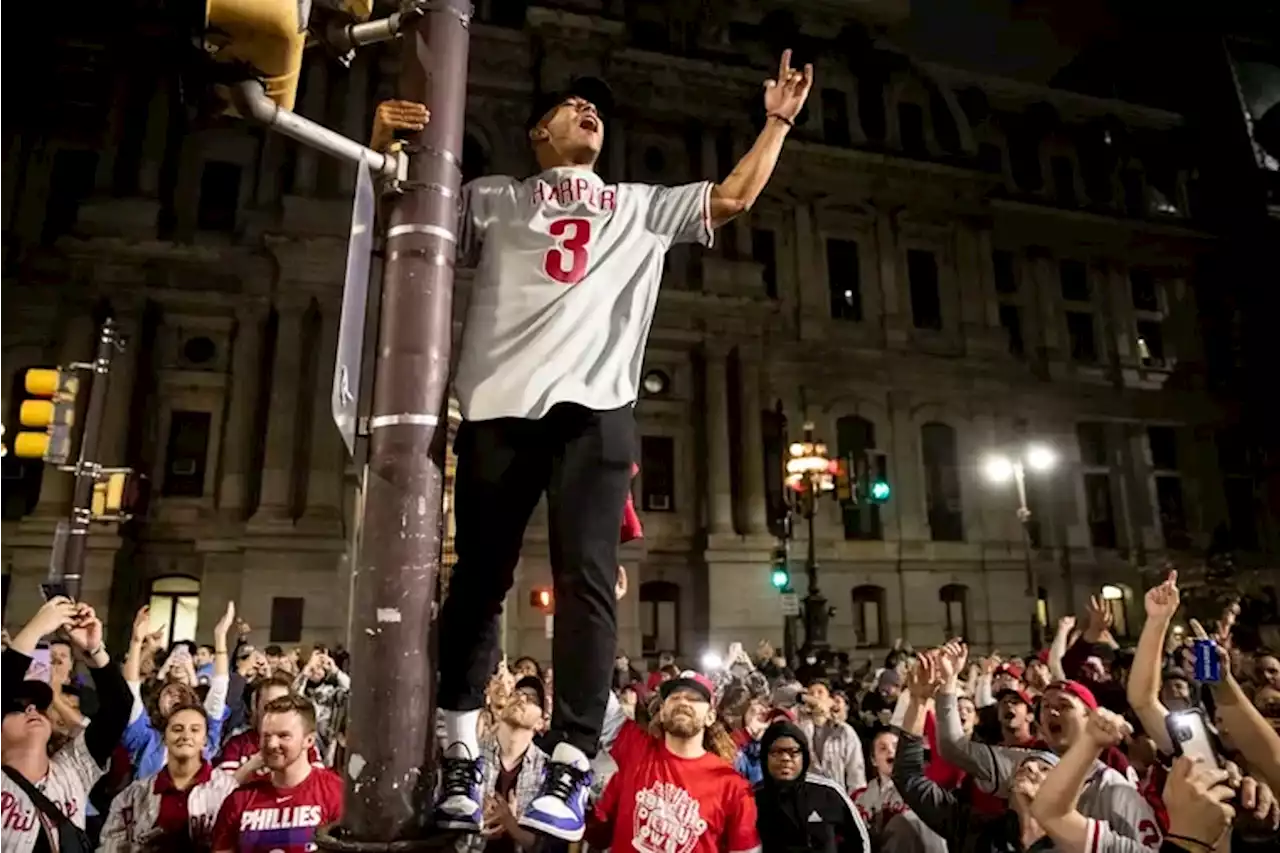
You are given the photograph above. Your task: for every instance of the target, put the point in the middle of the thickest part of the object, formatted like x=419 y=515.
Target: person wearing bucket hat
x=567 y=271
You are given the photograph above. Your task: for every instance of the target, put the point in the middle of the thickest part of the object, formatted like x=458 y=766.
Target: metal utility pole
x=86 y=468
x=390 y=736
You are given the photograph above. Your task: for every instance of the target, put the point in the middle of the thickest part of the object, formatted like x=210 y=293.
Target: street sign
x=345 y=400
x=790 y=604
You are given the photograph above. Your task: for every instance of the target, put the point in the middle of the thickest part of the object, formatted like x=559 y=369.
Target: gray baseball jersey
x=566 y=282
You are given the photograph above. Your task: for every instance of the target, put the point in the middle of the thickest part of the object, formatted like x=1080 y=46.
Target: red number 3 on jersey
x=566 y=262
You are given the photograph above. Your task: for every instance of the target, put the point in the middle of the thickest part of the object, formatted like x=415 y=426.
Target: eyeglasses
x=794 y=753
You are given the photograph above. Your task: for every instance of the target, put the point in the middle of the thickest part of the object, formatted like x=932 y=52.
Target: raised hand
x=224 y=624
x=1066 y=625
x=927 y=677
x=620 y=585
x=784 y=96
x=394 y=115
x=141 y=624
x=85 y=630
x=1106 y=728
x=54 y=614
x=952 y=658
x=1162 y=601
x=1100 y=617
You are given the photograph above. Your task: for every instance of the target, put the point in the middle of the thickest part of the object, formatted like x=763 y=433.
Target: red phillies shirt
x=261 y=818
x=240 y=748
x=658 y=802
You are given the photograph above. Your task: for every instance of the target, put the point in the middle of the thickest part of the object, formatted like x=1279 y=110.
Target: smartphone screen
x=1191 y=737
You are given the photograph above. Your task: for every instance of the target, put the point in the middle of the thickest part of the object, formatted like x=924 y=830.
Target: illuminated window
x=175 y=606
x=1117 y=600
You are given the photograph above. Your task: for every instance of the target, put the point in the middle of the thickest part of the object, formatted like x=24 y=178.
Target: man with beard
x=513 y=768
x=280 y=812
x=1109 y=795
x=676 y=790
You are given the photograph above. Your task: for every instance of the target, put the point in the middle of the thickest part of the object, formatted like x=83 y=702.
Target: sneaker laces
x=459 y=774
x=562 y=780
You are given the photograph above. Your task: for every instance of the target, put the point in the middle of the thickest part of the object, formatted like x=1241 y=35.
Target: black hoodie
x=808 y=813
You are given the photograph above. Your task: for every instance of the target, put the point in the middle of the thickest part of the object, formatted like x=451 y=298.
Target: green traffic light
x=780 y=578
x=880 y=491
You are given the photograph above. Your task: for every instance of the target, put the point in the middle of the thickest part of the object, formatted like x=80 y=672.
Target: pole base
x=339 y=840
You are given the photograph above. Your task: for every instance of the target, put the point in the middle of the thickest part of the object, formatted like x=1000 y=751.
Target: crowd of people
x=1081 y=746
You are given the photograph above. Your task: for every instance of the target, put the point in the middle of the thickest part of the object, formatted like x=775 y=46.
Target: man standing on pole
x=567 y=277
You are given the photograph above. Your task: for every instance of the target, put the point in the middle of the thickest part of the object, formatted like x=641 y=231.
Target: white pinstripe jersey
x=566 y=283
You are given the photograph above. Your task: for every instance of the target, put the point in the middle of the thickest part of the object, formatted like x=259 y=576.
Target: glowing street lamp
x=999 y=469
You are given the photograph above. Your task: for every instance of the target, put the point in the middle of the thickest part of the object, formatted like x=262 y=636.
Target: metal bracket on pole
x=250 y=99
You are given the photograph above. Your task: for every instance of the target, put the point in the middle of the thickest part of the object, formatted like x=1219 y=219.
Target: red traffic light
x=542 y=598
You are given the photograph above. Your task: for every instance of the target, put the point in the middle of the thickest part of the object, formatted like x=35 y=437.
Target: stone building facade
x=945 y=265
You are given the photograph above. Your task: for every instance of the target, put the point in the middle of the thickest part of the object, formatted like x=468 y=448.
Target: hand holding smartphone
x=1190 y=734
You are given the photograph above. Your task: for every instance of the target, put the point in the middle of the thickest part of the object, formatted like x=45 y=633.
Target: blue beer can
x=1208 y=666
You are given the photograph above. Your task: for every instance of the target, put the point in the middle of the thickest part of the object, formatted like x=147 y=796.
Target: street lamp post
x=1000 y=469
x=809 y=476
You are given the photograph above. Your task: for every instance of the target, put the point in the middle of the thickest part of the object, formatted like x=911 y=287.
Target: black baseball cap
x=29 y=693
x=591 y=89
x=532 y=682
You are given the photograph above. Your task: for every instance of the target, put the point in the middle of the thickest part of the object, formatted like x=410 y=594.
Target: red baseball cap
x=1010 y=668
x=688 y=680
x=1078 y=690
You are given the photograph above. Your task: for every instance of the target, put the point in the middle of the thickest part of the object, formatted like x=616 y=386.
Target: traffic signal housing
x=878 y=490
x=51 y=409
x=780 y=571
x=543 y=598
x=262 y=38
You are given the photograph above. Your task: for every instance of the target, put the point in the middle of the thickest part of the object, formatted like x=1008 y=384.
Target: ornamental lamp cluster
x=808 y=466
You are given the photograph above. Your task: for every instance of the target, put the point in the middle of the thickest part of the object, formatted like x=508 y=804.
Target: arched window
x=475 y=160
x=175 y=606
x=868 y=615
x=955 y=608
x=660 y=617
x=855 y=437
x=1117 y=597
x=942 y=482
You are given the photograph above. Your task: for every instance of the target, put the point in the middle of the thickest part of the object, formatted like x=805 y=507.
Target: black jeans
x=582 y=460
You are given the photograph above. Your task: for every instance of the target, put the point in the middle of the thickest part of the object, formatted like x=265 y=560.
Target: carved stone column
x=237 y=441
x=324 y=483
x=282 y=418
x=719 y=481
x=755 y=510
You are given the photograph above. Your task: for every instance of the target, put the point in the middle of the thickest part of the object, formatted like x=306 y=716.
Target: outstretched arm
x=783 y=99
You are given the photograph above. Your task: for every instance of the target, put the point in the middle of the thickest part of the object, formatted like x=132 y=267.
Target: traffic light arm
x=250 y=98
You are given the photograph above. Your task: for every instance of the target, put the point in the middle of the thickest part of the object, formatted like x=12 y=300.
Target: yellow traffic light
x=52 y=409
x=265 y=35
x=108 y=494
